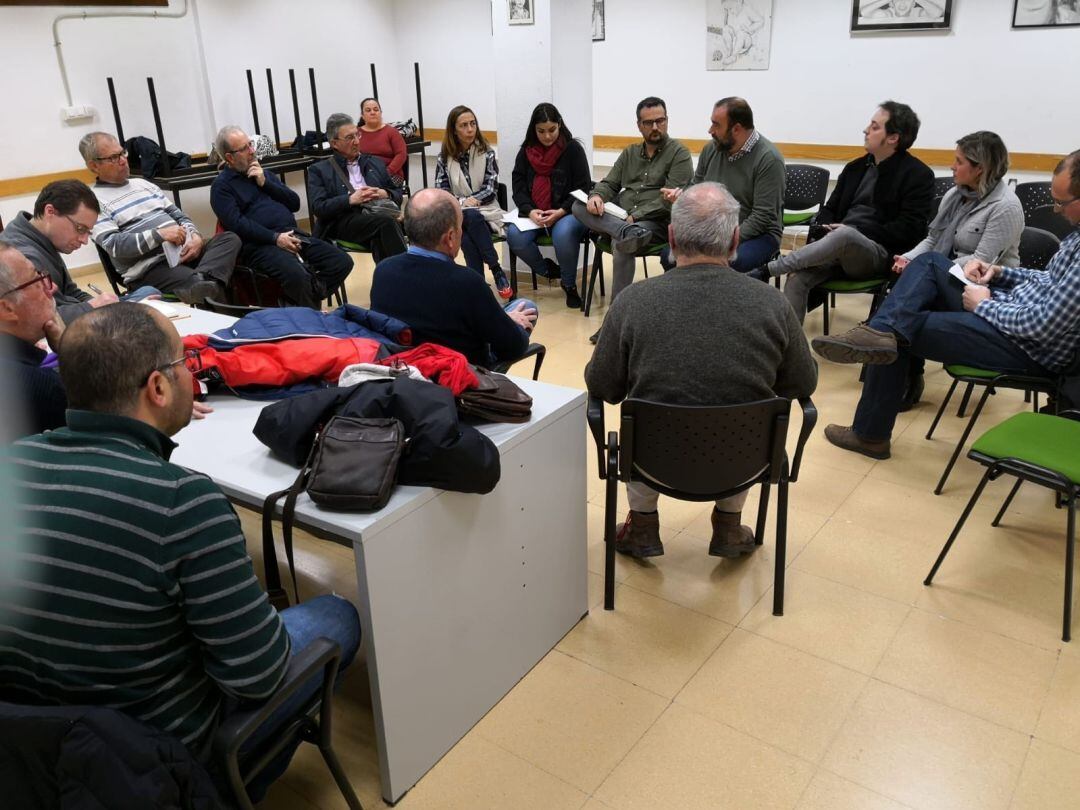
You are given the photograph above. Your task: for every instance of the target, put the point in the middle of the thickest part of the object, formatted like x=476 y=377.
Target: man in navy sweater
x=443 y=302
x=259 y=208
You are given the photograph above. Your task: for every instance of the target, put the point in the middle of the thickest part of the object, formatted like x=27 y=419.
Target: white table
x=460 y=595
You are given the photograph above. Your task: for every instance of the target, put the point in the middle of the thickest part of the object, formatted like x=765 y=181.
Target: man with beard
x=752 y=170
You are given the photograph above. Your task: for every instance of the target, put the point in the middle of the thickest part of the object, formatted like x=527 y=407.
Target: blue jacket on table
x=447 y=304
x=328 y=196
x=283 y=323
x=256 y=215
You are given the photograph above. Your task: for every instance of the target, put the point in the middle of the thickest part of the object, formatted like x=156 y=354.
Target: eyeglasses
x=39 y=278
x=250 y=147
x=191 y=359
x=352 y=136
x=121 y=155
x=80 y=229
x=1061 y=205
x=653 y=123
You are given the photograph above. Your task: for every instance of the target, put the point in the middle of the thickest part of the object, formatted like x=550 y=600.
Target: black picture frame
x=1061 y=14
x=863 y=22
x=599 y=21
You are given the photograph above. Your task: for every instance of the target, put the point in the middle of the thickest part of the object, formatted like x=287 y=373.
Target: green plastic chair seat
x=847 y=285
x=352 y=247
x=544 y=240
x=1037 y=438
x=971 y=371
x=604 y=246
x=797 y=217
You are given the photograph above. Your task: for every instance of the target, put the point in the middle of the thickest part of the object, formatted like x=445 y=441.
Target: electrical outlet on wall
x=78 y=112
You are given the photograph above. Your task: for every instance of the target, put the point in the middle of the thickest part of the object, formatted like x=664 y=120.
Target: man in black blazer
x=351 y=196
x=879 y=208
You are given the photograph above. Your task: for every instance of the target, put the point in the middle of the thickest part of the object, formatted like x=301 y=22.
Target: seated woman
x=549 y=165
x=979 y=218
x=468 y=169
x=382 y=140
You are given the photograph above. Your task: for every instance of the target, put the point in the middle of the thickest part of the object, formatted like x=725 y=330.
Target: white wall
x=823 y=82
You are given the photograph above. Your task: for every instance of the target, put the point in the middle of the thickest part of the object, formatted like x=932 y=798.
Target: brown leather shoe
x=639 y=536
x=729 y=538
x=846 y=439
x=858 y=345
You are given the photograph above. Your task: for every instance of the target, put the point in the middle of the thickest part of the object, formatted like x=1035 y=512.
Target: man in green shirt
x=634 y=184
x=752 y=170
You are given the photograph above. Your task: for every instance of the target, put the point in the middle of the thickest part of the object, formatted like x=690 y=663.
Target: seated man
x=634 y=183
x=752 y=171
x=698 y=335
x=351 y=195
x=1025 y=322
x=259 y=208
x=443 y=302
x=880 y=208
x=132 y=586
x=27 y=315
x=136 y=220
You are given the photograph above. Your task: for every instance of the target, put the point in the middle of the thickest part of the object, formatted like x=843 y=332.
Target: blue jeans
x=326 y=616
x=140 y=294
x=925 y=310
x=476 y=241
x=566 y=235
x=750 y=254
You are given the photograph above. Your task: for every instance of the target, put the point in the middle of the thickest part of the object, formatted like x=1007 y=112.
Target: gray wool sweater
x=701 y=335
x=71 y=302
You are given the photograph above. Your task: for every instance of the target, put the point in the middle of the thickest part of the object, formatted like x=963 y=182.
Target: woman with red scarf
x=549 y=165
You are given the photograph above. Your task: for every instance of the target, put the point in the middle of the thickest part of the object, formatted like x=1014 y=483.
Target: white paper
x=609 y=207
x=172 y=253
x=956 y=272
x=521 y=223
x=170 y=311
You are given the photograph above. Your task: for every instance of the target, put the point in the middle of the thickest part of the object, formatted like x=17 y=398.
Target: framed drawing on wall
x=521 y=12
x=737 y=34
x=1045 y=13
x=598 y=20
x=900 y=15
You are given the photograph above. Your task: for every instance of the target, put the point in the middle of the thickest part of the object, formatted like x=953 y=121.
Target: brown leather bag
x=495 y=399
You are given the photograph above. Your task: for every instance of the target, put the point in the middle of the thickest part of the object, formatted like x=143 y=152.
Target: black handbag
x=352 y=467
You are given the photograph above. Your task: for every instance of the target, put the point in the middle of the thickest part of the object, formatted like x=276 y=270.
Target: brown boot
x=846 y=439
x=730 y=538
x=858 y=345
x=639 y=536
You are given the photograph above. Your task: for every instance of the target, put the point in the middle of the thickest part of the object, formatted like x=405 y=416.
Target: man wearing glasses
x=635 y=182
x=260 y=208
x=136 y=223
x=351 y=195
x=1004 y=319
x=64 y=214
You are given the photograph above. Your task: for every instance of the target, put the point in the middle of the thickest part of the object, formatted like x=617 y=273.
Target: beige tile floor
x=872 y=691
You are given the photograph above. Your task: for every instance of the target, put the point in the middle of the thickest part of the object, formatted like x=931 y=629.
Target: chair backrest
x=1037 y=247
x=701 y=452
x=942 y=185
x=1033 y=195
x=806 y=186
x=111 y=273
x=502 y=196
x=1046 y=218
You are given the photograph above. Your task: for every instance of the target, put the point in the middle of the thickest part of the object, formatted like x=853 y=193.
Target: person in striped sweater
x=129 y=584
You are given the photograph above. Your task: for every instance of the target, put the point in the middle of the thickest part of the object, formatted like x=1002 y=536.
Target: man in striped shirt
x=151 y=241
x=1005 y=319
x=130 y=585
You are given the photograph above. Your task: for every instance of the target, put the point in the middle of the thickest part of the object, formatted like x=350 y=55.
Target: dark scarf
x=543 y=160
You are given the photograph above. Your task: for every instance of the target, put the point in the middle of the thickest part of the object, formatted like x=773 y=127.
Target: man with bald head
x=701 y=334
x=137 y=220
x=443 y=302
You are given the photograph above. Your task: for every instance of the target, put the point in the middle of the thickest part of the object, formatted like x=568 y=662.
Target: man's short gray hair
x=88 y=144
x=7 y=272
x=703 y=220
x=335 y=122
x=221 y=140
x=429 y=214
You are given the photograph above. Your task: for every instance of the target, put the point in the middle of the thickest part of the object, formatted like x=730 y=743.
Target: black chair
x=537 y=350
x=1032 y=196
x=1037 y=247
x=1046 y=218
x=700 y=453
x=111 y=273
x=603 y=245
x=236 y=310
x=806 y=187
x=546 y=241
x=941 y=188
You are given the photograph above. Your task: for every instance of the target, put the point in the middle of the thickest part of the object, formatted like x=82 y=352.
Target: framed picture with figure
x=900 y=15
x=597 y=20
x=521 y=12
x=1045 y=13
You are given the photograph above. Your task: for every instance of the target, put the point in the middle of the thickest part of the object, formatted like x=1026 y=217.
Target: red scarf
x=543 y=160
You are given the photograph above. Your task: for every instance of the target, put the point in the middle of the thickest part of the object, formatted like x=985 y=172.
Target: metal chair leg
x=340 y=777
x=959 y=525
x=762 y=514
x=941 y=410
x=963 y=439
x=1070 y=555
x=513 y=271
x=597 y=270
x=825 y=316
x=610 y=505
x=585 y=271
x=781 y=544
x=1008 y=500
x=964 y=401
x=539 y=362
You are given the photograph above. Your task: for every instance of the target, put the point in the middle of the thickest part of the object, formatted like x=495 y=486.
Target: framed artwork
x=900 y=15
x=597 y=20
x=1045 y=13
x=521 y=12
x=737 y=34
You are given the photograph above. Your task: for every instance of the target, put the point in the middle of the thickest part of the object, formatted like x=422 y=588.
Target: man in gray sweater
x=752 y=170
x=701 y=334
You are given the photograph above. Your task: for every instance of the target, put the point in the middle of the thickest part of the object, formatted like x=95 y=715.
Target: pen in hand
x=94 y=288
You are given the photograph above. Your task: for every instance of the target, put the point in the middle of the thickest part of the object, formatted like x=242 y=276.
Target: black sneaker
x=760 y=273
x=198 y=292
x=553 y=271
x=573 y=300
x=594 y=336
